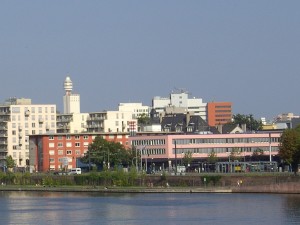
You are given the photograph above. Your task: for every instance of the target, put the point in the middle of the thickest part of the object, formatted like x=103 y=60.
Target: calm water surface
x=91 y=208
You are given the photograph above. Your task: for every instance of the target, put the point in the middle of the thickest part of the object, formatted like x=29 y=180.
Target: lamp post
x=175 y=158
x=270 y=148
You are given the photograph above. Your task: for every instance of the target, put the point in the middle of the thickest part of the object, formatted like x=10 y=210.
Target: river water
x=155 y=208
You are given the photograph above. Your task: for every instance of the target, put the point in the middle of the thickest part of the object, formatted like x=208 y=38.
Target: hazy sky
x=246 y=52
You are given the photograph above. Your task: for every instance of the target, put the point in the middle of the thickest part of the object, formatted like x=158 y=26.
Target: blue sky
x=246 y=52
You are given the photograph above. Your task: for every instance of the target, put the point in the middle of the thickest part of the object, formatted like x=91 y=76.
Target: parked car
x=75 y=171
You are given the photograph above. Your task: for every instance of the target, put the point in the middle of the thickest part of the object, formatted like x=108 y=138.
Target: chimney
x=244 y=127
x=188 y=118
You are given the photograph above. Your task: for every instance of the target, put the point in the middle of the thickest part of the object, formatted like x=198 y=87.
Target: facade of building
x=136 y=109
x=71 y=101
x=61 y=151
x=219 y=113
x=180 y=99
x=71 y=123
x=110 y=121
x=19 y=119
x=166 y=149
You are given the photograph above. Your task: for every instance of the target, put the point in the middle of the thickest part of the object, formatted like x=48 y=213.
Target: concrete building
x=180 y=99
x=110 y=121
x=136 y=109
x=71 y=101
x=71 y=123
x=19 y=119
x=166 y=149
x=219 y=113
x=62 y=151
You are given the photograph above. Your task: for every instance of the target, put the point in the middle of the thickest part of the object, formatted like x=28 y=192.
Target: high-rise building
x=71 y=101
x=219 y=113
x=180 y=99
x=19 y=119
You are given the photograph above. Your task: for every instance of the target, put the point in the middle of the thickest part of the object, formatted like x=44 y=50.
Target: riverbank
x=290 y=188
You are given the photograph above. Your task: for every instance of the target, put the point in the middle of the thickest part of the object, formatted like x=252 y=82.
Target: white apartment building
x=136 y=109
x=110 y=121
x=18 y=119
x=181 y=100
x=71 y=123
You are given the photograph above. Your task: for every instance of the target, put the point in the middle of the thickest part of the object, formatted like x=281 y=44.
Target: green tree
x=187 y=158
x=212 y=157
x=289 y=147
x=143 y=119
x=107 y=153
x=10 y=163
x=235 y=154
x=257 y=154
x=251 y=123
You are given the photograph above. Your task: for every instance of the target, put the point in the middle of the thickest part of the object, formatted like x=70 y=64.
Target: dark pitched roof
x=186 y=124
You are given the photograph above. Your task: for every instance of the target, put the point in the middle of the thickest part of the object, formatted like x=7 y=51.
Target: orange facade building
x=219 y=113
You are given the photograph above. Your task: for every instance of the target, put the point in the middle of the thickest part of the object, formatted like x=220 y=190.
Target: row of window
x=66 y=152
x=33 y=125
x=154 y=151
x=33 y=117
x=69 y=137
x=34 y=109
x=148 y=142
x=221 y=150
x=225 y=140
x=15 y=155
x=68 y=144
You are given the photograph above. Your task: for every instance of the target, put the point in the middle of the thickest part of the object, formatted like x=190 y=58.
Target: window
x=33 y=132
x=51 y=145
x=60 y=152
x=69 y=144
x=77 y=152
x=85 y=137
x=40 y=110
x=77 y=137
x=52 y=160
x=52 y=110
x=68 y=137
x=13 y=132
x=51 y=138
x=60 y=144
x=15 y=147
x=33 y=125
x=15 y=109
x=51 y=152
x=77 y=144
x=33 y=117
x=69 y=152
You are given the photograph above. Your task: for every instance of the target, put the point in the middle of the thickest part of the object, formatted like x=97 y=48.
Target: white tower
x=71 y=101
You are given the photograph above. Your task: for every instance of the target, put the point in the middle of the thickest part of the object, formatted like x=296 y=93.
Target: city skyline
x=246 y=53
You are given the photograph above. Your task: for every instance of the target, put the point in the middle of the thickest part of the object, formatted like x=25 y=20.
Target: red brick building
x=219 y=113
x=58 y=151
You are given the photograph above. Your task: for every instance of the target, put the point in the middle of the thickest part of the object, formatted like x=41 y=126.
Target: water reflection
x=93 y=208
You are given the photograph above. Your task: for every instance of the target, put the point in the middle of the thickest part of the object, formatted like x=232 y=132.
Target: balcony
x=41 y=120
x=3 y=134
x=27 y=113
x=3 y=142
x=3 y=149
